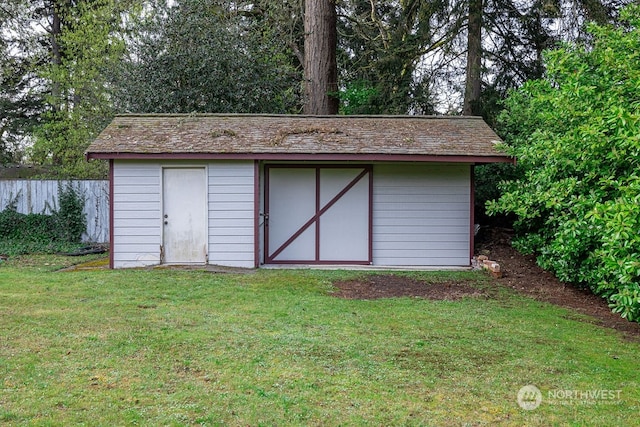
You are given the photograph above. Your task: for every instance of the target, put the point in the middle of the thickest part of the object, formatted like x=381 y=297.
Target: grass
x=275 y=348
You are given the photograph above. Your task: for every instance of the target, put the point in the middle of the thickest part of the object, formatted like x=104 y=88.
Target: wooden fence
x=34 y=196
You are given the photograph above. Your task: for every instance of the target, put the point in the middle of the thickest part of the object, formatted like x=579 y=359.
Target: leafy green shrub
x=357 y=98
x=70 y=217
x=36 y=227
x=21 y=233
x=576 y=134
x=9 y=217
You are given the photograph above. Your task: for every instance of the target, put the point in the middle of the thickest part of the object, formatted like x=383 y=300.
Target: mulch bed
x=521 y=273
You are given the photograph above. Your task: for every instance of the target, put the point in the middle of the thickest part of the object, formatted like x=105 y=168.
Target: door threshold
x=212 y=268
x=364 y=267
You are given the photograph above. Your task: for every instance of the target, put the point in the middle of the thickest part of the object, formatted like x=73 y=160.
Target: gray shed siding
x=137 y=212
x=421 y=214
x=231 y=212
x=137 y=221
x=420 y=217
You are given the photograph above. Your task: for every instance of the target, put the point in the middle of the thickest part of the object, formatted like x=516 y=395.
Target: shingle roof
x=275 y=136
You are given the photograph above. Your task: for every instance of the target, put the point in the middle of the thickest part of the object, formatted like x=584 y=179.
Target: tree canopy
x=68 y=66
x=84 y=44
x=204 y=56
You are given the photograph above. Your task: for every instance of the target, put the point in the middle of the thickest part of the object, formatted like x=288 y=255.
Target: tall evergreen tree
x=473 y=82
x=320 y=66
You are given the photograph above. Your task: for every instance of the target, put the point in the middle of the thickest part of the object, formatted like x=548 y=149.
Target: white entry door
x=184 y=215
x=318 y=214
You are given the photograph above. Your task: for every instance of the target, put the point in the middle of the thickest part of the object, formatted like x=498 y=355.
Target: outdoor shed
x=252 y=190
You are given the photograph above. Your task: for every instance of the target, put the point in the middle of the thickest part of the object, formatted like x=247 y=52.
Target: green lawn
x=163 y=347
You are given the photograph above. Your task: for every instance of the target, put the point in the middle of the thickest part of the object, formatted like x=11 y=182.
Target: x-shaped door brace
x=319 y=213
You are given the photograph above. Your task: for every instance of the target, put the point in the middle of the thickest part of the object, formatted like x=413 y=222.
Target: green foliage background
x=576 y=134
x=79 y=97
x=198 y=56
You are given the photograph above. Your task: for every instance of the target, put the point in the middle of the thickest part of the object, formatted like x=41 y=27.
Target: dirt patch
x=391 y=285
x=96 y=264
x=521 y=273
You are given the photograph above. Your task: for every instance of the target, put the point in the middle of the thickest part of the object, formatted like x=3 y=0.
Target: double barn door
x=318 y=214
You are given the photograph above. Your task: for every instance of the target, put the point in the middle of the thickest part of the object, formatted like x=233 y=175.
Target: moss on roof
x=288 y=134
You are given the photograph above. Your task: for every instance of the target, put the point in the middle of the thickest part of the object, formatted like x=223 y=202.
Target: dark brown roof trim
x=303 y=157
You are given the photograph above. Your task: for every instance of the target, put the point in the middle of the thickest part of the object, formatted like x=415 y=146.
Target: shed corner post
x=256 y=213
x=472 y=207
x=111 y=210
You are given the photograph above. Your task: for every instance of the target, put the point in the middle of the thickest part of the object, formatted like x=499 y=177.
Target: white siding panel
x=231 y=197
x=415 y=240
x=142 y=196
x=136 y=180
x=234 y=181
x=136 y=215
x=137 y=206
x=140 y=231
x=139 y=171
x=136 y=189
x=233 y=189
x=231 y=213
x=435 y=211
x=415 y=258
x=125 y=225
x=234 y=239
x=421 y=214
x=420 y=225
x=433 y=190
x=139 y=239
x=399 y=196
x=413 y=249
x=233 y=259
x=234 y=231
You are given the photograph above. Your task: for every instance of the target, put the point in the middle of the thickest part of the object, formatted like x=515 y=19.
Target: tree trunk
x=56 y=53
x=474 y=57
x=320 y=65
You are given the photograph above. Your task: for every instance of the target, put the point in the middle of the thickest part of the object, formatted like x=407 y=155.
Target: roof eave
x=362 y=157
